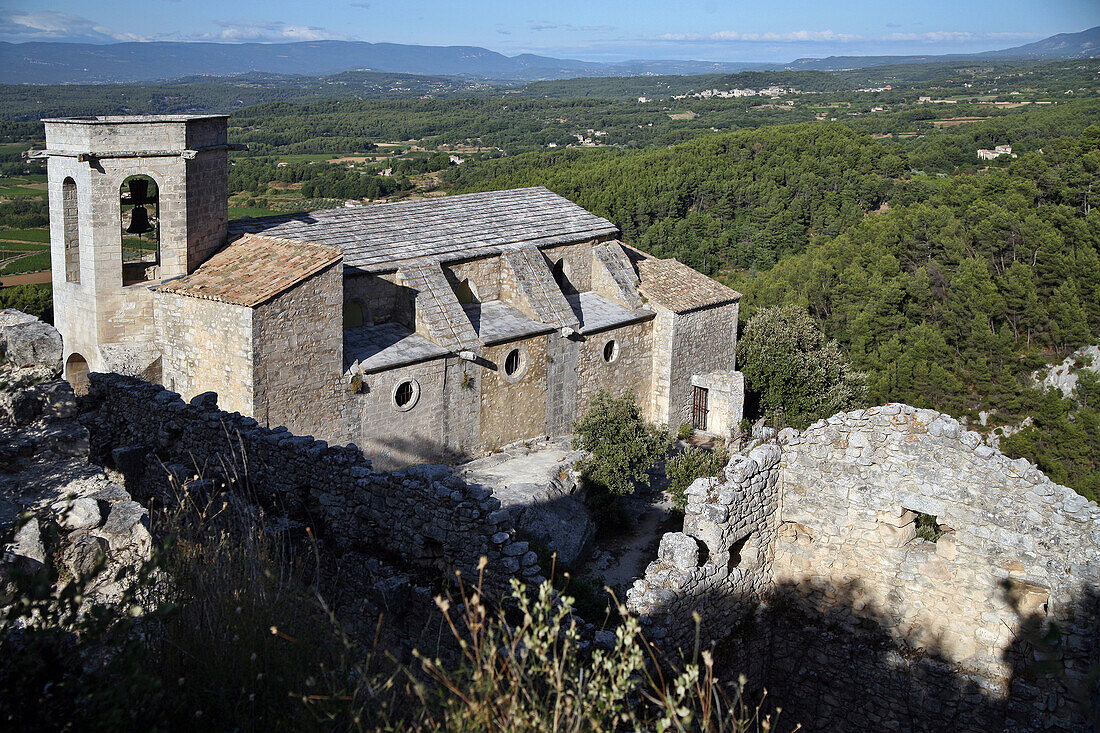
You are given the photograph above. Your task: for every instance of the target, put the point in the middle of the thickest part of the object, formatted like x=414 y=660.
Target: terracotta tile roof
x=382 y=237
x=679 y=288
x=253 y=270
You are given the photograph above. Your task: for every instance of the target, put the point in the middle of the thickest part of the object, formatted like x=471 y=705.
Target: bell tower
x=133 y=201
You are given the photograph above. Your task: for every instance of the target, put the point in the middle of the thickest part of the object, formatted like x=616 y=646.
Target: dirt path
x=622 y=554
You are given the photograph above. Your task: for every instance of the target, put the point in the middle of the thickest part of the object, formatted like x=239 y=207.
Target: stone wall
x=422 y=516
x=861 y=620
x=513 y=407
x=1017 y=550
x=715 y=327
x=628 y=375
x=298 y=352
x=206 y=345
x=720 y=564
x=380 y=297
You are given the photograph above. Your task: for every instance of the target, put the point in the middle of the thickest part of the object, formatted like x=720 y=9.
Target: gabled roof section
x=538 y=294
x=253 y=270
x=674 y=285
x=380 y=237
x=439 y=315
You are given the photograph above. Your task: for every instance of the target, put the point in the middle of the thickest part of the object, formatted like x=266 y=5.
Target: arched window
x=70 y=223
x=353 y=315
x=76 y=371
x=139 y=203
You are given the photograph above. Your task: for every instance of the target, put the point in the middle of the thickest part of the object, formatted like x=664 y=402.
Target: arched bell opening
x=139 y=203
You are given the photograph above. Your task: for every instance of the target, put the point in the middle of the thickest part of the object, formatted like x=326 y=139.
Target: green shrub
x=622 y=446
x=686 y=431
x=36 y=300
x=800 y=375
x=693 y=463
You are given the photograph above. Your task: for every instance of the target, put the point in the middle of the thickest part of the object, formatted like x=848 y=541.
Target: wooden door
x=699 y=408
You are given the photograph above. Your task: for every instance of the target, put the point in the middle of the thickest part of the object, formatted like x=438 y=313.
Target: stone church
x=422 y=331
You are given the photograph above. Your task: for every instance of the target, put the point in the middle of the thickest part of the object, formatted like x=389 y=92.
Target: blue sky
x=730 y=30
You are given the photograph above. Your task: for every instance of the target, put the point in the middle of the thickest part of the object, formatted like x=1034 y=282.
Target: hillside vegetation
x=948 y=290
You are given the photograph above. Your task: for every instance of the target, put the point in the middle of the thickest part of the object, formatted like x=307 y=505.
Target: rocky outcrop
x=56 y=508
x=28 y=343
x=1064 y=376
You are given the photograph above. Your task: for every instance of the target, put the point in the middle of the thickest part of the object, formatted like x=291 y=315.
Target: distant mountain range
x=67 y=63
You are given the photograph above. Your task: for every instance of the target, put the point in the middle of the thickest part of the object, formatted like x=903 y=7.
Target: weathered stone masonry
x=423 y=515
x=878 y=625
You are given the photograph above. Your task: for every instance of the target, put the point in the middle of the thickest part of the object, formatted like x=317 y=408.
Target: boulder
x=126 y=529
x=82 y=513
x=84 y=554
x=27 y=342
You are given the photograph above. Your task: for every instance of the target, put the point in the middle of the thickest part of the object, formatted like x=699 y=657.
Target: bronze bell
x=139 y=193
x=139 y=221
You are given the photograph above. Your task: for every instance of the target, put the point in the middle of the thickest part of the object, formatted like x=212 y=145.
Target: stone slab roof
x=386 y=346
x=438 y=313
x=615 y=262
x=380 y=237
x=679 y=288
x=497 y=322
x=597 y=313
x=253 y=270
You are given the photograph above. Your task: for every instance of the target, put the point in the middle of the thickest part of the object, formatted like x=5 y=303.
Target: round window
x=406 y=394
x=513 y=363
x=611 y=351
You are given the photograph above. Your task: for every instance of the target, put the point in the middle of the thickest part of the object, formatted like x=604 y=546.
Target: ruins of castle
x=420 y=331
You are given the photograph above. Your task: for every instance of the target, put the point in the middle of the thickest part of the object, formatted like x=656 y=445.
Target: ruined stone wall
x=380 y=297
x=423 y=516
x=720 y=565
x=995 y=625
x=206 y=345
x=513 y=407
x=1017 y=549
x=298 y=348
x=627 y=375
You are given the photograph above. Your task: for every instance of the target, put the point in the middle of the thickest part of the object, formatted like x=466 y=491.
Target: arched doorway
x=76 y=371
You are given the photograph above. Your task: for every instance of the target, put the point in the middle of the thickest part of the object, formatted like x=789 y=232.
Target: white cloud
x=18 y=26
x=957 y=36
x=804 y=36
x=268 y=32
x=787 y=36
x=543 y=26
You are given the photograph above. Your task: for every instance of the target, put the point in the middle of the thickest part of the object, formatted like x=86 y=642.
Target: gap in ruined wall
x=927 y=526
x=744 y=554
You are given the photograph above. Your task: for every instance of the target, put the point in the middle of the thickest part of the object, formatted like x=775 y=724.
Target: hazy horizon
x=613 y=31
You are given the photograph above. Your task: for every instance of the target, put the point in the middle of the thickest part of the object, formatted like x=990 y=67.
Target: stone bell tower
x=133 y=201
